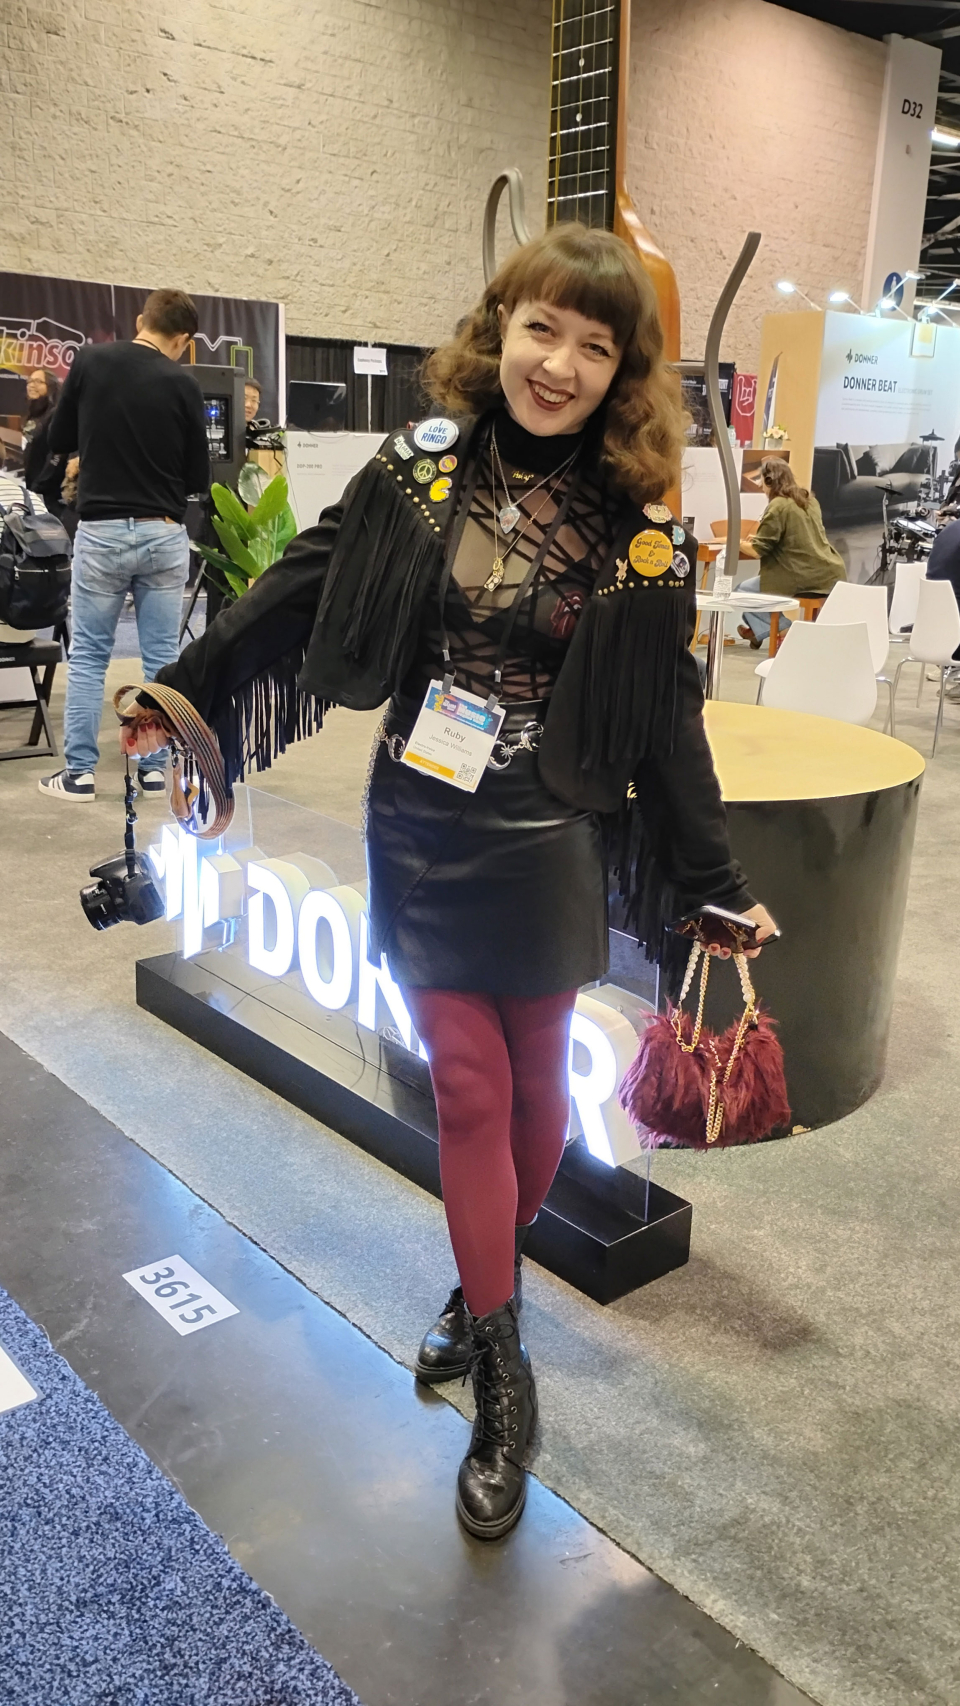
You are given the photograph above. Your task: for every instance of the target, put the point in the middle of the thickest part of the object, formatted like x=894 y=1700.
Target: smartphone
x=714 y=927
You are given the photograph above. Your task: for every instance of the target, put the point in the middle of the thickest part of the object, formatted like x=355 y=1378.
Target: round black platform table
x=822 y=817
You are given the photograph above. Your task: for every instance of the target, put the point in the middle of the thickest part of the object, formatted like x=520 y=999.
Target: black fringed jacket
x=336 y=622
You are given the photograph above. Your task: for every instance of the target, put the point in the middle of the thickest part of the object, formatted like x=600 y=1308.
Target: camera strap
x=194 y=747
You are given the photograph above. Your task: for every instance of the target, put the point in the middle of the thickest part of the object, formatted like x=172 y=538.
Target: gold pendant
x=495 y=576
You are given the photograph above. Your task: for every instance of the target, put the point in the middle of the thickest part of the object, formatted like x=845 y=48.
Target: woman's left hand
x=768 y=928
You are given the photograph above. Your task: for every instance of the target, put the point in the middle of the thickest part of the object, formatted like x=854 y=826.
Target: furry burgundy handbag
x=695 y=1090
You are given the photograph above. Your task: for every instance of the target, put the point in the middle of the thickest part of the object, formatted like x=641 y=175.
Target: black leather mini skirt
x=501 y=892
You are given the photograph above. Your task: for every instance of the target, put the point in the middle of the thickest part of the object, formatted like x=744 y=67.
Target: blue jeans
x=759 y=623
x=110 y=559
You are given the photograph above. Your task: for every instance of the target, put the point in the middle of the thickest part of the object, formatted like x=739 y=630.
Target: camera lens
x=97 y=903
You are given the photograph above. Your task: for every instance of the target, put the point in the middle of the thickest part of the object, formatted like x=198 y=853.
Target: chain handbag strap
x=193 y=744
x=719 y=1075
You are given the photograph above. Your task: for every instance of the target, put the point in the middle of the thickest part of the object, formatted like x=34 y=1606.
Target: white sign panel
x=15 y=1388
x=907 y=116
x=882 y=383
x=320 y=464
x=368 y=359
x=183 y=1297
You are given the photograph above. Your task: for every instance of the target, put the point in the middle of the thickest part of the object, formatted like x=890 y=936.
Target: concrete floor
x=758 y=1303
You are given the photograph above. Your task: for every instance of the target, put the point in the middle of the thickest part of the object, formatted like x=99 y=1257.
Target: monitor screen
x=316 y=405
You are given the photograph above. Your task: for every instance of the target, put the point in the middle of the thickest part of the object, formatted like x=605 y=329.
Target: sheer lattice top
x=477 y=607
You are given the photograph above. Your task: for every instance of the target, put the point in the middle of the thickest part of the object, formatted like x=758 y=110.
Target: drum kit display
x=909 y=534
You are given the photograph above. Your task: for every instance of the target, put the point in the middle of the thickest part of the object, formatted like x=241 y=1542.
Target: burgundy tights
x=499 y=1070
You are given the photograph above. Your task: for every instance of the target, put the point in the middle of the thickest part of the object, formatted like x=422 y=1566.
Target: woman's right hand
x=143 y=731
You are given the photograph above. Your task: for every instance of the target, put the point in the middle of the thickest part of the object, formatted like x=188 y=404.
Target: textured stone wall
x=744 y=116
x=331 y=154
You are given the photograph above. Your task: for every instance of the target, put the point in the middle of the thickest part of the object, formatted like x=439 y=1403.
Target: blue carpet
x=112 y=1590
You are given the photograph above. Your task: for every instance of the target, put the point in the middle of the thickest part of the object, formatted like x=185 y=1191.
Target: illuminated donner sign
x=297 y=923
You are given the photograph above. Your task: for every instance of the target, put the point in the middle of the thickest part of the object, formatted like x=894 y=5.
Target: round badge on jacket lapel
x=650 y=553
x=436 y=434
x=680 y=566
x=447 y=464
x=424 y=471
x=440 y=490
x=678 y=535
x=656 y=512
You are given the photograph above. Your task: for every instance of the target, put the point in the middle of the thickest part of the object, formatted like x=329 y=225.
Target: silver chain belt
x=502 y=755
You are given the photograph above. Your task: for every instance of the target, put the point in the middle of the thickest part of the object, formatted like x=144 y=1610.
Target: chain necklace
x=510 y=513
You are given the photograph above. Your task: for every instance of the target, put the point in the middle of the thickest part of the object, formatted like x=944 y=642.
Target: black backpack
x=34 y=567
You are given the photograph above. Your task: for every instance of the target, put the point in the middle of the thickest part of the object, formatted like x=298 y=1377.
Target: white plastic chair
x=826 y=670
x=906 y=591
x=850 y=602
x=935 y=638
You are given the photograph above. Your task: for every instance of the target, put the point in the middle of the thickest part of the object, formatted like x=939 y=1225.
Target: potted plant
x=252 y=537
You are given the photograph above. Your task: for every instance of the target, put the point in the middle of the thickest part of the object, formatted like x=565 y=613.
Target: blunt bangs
x=581 y=275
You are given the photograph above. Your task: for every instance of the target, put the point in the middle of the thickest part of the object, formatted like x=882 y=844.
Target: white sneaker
x=152 y=781
x=69 y=785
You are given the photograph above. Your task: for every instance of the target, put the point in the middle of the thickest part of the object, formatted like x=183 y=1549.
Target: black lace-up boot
x=492 y=1483
x=445 y=1348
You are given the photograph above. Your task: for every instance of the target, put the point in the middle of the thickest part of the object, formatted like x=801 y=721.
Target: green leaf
x=253 y=482
x=220 y=572
x=232 y=510
x=220 y=562
x=238 y=583
x=234 y=546
x=272 y=502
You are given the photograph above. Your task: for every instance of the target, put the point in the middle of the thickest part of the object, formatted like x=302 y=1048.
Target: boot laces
x=492 y=1393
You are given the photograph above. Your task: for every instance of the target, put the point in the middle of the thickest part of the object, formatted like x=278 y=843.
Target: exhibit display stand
x=275 y=975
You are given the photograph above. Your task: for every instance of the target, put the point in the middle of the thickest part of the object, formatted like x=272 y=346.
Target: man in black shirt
x=137 y=420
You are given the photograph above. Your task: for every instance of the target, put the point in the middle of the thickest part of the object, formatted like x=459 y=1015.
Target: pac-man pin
x=440 y=490
x=657 y=512
x=424 y=471
x=650 y=553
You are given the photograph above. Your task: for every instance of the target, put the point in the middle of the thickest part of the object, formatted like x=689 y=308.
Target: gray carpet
x=774 y=1428
x=113 y=1590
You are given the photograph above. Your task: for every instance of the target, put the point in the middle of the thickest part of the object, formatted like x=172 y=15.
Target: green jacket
x=795 y=554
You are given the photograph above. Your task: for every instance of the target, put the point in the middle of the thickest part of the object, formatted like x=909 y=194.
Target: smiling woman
x=510 y=580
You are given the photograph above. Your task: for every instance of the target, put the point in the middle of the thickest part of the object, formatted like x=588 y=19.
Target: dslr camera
x=124 y=891
x=121 y=895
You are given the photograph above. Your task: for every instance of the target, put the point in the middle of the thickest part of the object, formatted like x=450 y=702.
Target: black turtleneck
x=533 y=452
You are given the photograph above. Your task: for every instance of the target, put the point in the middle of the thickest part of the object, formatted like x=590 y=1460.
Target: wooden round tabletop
x=764 y=754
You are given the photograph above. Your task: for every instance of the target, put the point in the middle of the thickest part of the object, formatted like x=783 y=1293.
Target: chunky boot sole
x=492 y=1530
x=437 y=1376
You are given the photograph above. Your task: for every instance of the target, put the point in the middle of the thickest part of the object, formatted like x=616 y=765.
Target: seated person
x=796 y=557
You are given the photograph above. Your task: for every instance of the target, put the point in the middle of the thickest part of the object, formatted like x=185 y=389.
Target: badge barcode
x=466 y=772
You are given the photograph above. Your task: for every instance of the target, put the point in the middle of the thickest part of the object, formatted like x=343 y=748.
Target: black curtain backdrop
x=396 y=399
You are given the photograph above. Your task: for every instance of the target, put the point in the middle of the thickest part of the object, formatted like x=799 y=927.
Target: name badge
x=453 y=736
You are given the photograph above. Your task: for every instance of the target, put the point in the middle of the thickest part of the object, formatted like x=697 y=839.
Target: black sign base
x=599 y=1229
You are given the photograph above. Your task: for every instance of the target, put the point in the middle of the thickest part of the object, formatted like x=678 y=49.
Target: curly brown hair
x=598 y=275
x=777 y=476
